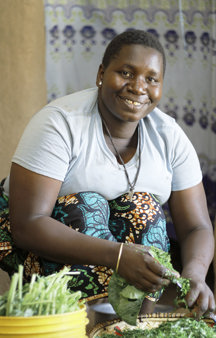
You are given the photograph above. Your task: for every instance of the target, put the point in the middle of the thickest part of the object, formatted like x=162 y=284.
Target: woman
x=92 y=171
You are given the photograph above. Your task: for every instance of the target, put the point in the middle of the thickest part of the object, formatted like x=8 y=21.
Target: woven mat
x=148 y=321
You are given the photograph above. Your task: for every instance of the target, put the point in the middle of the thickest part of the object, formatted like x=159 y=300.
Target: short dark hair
x=133 y=36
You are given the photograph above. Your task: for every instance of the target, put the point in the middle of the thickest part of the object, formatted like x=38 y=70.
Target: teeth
x=128 y=101
x=133 y=102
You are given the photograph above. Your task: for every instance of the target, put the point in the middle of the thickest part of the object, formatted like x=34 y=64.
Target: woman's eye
x=126 y=74
x=152 y=80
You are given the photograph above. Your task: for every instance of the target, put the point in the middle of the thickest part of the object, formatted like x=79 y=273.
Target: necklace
x=131 y=185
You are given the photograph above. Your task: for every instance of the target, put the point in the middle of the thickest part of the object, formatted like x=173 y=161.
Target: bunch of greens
x=42 y=296
x=164 y=259
x=127 y=300
x=181 y=328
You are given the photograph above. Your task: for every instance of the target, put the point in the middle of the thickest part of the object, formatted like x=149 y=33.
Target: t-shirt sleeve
x=185 y=163
x=46 y=144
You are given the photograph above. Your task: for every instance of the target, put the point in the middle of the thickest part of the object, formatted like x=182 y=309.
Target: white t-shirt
x=65 y=141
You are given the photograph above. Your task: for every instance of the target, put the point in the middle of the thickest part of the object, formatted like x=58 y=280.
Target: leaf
x=131 y=292
x=127 y=300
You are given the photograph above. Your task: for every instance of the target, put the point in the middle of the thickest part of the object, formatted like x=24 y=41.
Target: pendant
x=130 y=194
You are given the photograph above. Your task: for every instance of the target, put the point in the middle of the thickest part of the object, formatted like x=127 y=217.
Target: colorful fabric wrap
x=141 y=221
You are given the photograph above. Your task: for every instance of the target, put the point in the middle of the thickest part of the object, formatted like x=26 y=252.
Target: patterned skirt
x=141 y=221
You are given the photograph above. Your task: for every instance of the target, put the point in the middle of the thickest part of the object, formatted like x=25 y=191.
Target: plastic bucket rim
x=83 y=309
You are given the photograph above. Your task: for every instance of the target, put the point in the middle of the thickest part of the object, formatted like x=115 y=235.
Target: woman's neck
x=125 y=144
x=120 y=129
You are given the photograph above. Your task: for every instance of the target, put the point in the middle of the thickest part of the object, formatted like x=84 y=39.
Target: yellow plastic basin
x=72 y=324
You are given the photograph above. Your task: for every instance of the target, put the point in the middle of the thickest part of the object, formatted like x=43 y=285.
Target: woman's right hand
x=140 y=269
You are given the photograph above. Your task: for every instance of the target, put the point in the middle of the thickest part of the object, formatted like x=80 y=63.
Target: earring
x=100 y=83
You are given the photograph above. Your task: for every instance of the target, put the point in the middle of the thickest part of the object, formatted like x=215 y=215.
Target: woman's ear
x=99 y=79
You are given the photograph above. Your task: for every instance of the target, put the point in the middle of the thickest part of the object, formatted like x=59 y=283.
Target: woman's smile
x=134 y=103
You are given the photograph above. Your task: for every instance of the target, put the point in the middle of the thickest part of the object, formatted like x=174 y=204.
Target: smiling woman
x=93 y=170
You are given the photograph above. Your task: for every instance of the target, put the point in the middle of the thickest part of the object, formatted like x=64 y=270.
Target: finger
x=161 y=270
x=149 y=281
x=202 y=304
x=156 y=280
x=143 y=248
x=146 y=286
x=191 y=297
x=155 y=266
x=212 y=304
x=172 y=273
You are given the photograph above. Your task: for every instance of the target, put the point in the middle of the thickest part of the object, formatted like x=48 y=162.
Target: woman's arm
x=31 y=202
x=195 y=233
x=32 y=199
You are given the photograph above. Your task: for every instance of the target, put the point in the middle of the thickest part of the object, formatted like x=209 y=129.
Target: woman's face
x=131 y=84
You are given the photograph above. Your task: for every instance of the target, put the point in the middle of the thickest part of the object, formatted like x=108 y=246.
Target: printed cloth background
x=77 y=32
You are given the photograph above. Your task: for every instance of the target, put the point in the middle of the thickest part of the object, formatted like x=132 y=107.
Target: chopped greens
x=127 y=300
x=181 y=328
x=42 y=296
x=164 y=259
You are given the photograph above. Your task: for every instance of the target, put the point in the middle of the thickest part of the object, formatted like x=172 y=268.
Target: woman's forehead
x=133 y=49
x=135 y=54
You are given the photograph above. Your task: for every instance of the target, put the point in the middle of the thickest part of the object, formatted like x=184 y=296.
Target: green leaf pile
x=181 y=328
x=42 y=296
x=127 y=300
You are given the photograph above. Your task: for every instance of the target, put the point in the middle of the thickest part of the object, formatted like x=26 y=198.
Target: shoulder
x=164 y=128
x=161 y=125
x=160 y=119
x=76 y=103
x=66 y=111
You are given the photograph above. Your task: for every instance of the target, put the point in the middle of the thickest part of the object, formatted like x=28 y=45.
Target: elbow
x=20 y=234
x=26 y=233
x=17 y=235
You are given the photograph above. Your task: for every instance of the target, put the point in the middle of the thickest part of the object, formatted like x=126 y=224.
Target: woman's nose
x=138 y=85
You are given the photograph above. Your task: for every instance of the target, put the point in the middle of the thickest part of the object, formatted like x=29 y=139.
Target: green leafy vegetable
x=181 y=328
x=42 y=296
x=127 y=300
x=164 y=259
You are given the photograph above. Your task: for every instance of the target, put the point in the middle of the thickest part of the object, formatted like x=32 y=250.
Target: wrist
x=119 y=257
x=111 y=254
x=195 y=270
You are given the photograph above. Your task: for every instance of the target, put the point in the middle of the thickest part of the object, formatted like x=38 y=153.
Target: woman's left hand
x=200 y=298
x=194 y=231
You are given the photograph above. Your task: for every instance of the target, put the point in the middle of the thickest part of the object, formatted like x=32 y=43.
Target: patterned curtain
x=77 y=32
